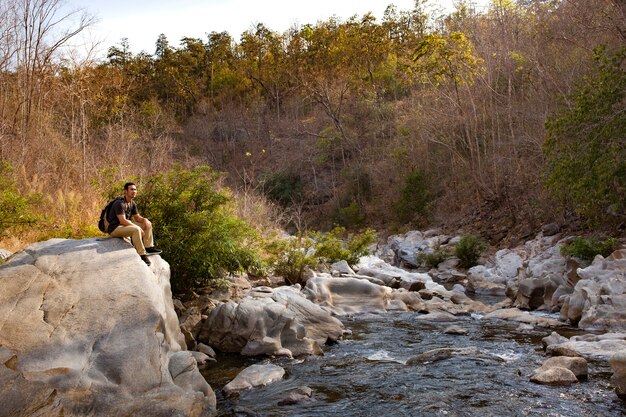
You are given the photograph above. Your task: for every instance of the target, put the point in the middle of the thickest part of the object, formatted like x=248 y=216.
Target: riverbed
x=365 y=374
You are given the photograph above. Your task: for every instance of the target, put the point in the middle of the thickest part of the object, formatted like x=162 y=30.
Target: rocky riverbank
x=86 y=325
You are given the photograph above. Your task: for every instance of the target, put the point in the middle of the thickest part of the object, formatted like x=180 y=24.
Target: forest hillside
x=496 y=121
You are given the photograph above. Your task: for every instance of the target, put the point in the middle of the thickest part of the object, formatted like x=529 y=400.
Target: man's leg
x=148 y=240
x=134 y=232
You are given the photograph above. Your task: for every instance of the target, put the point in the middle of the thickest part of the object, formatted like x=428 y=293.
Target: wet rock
x=515 y=314
x=590 y=347
x=618 y=365
x=437 y=316
x=456 y=330
x=446 y=353
x=577 y=365
x=554 y=376
x=254 y=376
x=553 y=339
x=297 y=395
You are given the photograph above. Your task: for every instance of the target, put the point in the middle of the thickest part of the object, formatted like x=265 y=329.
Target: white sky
x=141 y=21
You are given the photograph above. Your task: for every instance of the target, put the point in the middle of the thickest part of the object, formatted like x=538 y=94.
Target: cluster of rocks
x=70 y=308
x=536 y=276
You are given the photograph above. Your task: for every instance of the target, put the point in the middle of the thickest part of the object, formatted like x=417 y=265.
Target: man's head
x=130 y=191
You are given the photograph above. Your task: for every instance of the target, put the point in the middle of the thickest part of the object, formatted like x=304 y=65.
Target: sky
x=142 y=21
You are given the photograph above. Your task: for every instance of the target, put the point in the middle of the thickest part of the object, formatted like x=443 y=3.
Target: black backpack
x=103 y=223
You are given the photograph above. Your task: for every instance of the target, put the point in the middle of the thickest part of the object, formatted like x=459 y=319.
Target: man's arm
x=123 y=221
x=141 y=220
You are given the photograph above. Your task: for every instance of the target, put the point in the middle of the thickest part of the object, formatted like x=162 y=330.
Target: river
x=365 y=374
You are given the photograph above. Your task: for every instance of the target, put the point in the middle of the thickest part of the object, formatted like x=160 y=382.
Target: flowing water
x=365 y=374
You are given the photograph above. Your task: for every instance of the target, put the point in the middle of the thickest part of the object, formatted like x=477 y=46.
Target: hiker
x=122 y=211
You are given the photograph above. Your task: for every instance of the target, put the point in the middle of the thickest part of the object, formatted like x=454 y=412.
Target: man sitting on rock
x=122 y=211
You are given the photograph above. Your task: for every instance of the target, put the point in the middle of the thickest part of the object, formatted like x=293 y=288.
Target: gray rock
x=277 y=323
x=87 y=325
x=515 y=314
x=598 y=301
x=207 y=350
x=456 y=330
x=254 y=376
x=590 y=347
x=618 y=365
x=341 y=268
x=297 y=395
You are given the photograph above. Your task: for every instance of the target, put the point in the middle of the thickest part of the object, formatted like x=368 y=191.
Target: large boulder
x=598 y=301
x=402 y=250
x=589 y=346
x=271 y=322
x=347 y=295
x=86 y=325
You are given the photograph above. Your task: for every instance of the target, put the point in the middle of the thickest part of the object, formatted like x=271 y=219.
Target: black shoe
x=145 y=259
x=153 y=250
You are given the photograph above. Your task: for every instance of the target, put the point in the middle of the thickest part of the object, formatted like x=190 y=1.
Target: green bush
x=350 y=215
x=433 y=259
x=289 y=258
x=331 y=247
x=586 y=156
x=283 y=186
x=416 y=198
x=194 y=224
x=587 y=249
x=468 y=250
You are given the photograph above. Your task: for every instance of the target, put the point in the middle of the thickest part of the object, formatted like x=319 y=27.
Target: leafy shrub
x=291 y=257
x=586 y=156
x=416 y=198
x=350 y=215
x=283 y=186
x=587 y=249
x=194 y=225
x=331 y=248
x=468 y=250
x=433 y=259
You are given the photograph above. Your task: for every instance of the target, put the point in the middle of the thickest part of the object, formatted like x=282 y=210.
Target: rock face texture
x=598 y=301
x=269 y=321
x=86 y=328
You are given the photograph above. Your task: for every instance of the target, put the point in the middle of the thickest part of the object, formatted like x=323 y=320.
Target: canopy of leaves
x=586 y=143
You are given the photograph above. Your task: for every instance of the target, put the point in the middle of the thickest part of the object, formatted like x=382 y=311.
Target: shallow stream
x=365 y=375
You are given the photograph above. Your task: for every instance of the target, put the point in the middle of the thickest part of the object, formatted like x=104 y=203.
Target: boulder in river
x=254 y=376
x=271 y=322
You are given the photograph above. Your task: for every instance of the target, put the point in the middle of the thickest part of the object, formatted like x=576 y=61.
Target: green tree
x=201 y=238
x=586 y=143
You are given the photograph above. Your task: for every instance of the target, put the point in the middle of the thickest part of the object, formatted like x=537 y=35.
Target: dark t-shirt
x=120 y=207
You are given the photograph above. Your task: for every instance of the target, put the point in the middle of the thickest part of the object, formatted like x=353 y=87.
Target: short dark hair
x=128 y=184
